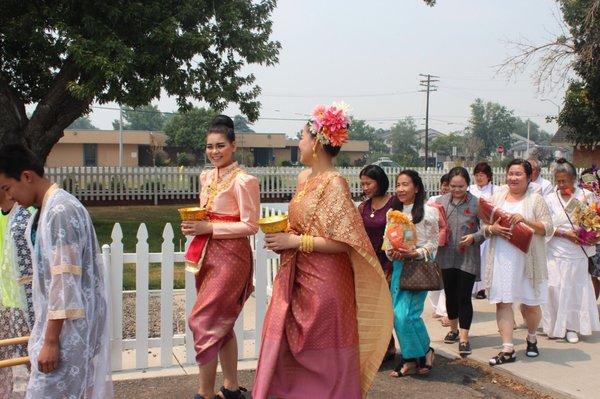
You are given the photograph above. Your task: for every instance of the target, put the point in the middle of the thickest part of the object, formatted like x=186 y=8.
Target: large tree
x=65 y=55
x=361 y=130
x=444 y=145
x=146 y=117
x=83 y=122
x=188 y=129
x=241 y=124
x=576 y=49
x=581 y=110
x=493 y=124
x=405 y=142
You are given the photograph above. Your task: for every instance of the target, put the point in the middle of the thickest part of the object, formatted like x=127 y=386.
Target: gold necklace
x=378 y=209
x=218 y=184
x=305 y=187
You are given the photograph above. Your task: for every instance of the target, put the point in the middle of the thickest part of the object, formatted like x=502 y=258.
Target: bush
x=161 y=158
x=152 y=185
x=117 y=184
x=186 y=159
x=94 y=185
x=70 y=184
x=287 y=163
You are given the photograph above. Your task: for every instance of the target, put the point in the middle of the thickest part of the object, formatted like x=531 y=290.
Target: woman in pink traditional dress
x=221 y=258
x=330 y=317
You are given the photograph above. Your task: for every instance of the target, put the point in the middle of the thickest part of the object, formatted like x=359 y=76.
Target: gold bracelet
x=306 y=243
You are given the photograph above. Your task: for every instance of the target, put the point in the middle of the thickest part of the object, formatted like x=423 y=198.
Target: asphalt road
x=449 y=379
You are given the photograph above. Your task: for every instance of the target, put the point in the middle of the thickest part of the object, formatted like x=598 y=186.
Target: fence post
x=115 y=271
x=166 y=296
x=141 y=298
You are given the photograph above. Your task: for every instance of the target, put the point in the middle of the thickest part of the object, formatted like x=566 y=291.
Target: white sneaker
x=572 y=337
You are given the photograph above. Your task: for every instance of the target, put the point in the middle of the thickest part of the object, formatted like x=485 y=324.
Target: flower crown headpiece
x=329 y=124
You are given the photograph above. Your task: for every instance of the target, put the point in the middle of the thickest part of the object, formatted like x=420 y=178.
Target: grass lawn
x=130 y=218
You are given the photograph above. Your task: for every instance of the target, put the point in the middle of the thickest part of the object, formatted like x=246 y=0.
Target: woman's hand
x=516 y=218
x=466 y=241
x=570 y=235
x=497 y=230
x=401 y=253
x=281 y=241
x=196 y=228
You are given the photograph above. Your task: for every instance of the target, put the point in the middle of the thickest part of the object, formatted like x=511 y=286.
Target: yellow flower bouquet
x=400 y=232
x=588 y=220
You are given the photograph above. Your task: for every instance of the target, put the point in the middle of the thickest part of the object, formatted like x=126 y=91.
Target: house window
x=90 y=155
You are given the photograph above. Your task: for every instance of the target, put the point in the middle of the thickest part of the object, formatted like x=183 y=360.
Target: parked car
x=385 y=162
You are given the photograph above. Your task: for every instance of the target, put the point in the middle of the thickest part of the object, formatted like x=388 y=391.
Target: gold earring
x=314 y=152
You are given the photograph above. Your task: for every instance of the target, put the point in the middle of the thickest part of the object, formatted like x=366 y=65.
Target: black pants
x=458 y=286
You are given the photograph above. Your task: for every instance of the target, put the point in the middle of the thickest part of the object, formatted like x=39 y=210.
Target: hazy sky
x=370 y=55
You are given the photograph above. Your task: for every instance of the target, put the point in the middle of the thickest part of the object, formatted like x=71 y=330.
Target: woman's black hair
x=445 y=179
x=460 y=171
x=525 y=164
x=222 y=124
x=418 y=210
x=376 y=173
x=484 y=167
x=331 y=150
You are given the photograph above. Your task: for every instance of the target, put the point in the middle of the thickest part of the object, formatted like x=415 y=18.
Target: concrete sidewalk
x=570 y=369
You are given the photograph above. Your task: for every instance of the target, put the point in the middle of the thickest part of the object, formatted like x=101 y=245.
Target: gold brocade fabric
x=326 y=210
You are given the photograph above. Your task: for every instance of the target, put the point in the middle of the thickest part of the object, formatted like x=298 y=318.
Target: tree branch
x=555 y=61
x=55 y=112
x=12 y=114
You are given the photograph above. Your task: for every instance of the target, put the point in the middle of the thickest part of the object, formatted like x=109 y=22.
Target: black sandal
x=228 y=394
x=425 y=368
x=400 y=365
x=502 y=358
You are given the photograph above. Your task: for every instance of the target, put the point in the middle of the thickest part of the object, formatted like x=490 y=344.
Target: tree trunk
x=54 y=113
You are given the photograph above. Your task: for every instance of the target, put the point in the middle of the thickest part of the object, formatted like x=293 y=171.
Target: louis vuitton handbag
x=421 y=275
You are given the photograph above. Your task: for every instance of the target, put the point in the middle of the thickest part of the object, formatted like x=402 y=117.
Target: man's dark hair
x=16 y=158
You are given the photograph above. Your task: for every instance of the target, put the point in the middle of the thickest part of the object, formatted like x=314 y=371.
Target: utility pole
x=429 y=85
x=528 y=128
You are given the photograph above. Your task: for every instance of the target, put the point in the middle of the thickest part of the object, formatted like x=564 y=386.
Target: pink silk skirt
x=223 y=285
x=310 y=335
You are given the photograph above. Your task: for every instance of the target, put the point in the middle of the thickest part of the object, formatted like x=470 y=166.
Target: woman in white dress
x=571 y=306
x=483 y=188
x=512 y=275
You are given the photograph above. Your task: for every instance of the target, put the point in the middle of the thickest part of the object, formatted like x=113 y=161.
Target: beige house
x=101 y=148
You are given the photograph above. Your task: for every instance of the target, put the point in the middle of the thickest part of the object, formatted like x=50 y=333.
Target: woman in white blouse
x=571 y=306
x=483 y=188
x=417 y=355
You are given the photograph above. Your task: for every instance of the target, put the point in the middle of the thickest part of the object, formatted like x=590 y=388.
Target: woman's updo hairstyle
x=222 y=124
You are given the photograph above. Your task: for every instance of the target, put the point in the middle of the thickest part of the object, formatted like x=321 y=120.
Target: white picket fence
x=114 y=258
x=164 y=184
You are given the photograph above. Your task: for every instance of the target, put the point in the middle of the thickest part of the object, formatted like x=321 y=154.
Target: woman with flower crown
x=221 y=258
x=329 y=319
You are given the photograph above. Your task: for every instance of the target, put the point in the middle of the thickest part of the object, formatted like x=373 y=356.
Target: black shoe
x=480 y=295
x=451 y=337
x=464 y=349
x=237 y=394
x=503 y=357
x=532 y=349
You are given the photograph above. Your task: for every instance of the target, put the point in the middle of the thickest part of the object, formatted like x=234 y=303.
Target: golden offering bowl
x=192 y=214
x=273 y=224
